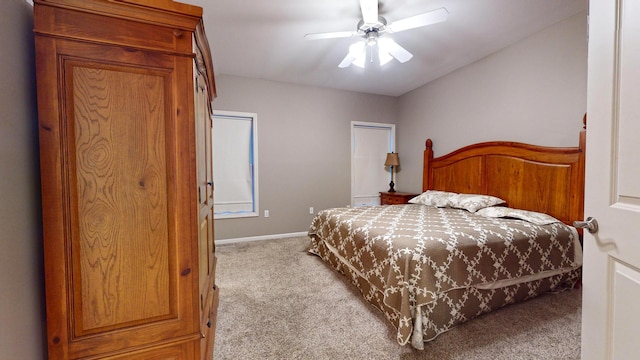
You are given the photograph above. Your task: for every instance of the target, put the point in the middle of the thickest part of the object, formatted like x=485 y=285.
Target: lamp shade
x=392 y=159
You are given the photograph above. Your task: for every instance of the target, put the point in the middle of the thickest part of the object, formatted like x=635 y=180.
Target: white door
x=370 y=143
x=611 y=281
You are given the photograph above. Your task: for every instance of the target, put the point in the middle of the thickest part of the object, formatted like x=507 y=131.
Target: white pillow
x=530 y=216
x=474 y=202
x=434 y=198
x=469 y=202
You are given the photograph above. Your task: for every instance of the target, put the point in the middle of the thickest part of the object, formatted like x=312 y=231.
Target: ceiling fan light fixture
x=371 y=38
x=383 y=44
x=383 y=56
x=360 y=60
x=356 y=51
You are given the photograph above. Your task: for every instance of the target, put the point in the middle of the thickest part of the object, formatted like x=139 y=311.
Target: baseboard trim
x=259 y=238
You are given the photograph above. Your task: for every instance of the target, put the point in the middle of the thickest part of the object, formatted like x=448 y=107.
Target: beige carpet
x=278 y=302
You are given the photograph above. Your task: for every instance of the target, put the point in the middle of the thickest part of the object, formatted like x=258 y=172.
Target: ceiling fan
x=374 y=29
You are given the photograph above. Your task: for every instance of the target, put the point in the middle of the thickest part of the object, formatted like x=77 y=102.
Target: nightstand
x=390 y=198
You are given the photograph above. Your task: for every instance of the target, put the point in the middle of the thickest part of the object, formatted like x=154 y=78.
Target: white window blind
x=234 y=165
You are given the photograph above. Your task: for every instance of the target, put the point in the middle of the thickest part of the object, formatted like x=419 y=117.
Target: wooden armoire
x=124 y=97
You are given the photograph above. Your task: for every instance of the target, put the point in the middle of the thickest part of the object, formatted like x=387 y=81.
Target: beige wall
x=534 y=91
x=303 y=148
x=22 y=321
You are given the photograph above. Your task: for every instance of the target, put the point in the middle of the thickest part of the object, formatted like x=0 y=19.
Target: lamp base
x=391 y=185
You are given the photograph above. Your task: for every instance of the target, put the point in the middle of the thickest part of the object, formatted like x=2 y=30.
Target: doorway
x=370 y=143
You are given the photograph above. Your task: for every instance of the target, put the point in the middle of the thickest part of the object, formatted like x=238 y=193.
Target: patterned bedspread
x=430 y=268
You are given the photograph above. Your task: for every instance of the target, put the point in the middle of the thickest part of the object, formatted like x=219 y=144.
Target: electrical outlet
x=266 y=213
x=311 y=210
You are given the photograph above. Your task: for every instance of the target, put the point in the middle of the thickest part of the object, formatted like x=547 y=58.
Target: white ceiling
x=265 y=39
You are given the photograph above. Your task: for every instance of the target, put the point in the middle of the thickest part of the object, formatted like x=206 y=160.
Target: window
x=370 y=143
x=235 y=164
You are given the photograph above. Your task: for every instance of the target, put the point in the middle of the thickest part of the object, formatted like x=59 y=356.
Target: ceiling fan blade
x=369 y=11
x=330 y=35
x=428 y=18
x=388 y=45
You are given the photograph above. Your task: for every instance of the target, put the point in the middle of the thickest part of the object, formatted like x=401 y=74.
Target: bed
x=491 y=228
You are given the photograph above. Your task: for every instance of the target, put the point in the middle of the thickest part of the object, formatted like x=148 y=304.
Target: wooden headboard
x=530 y=177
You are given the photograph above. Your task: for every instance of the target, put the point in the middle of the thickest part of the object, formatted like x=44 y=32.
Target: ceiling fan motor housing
x=365 y=28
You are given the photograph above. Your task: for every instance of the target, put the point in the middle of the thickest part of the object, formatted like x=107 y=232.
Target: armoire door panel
x=200 y=116
x=211 y=245
x=208 y=124
x=203 y=250
x=120 y=198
